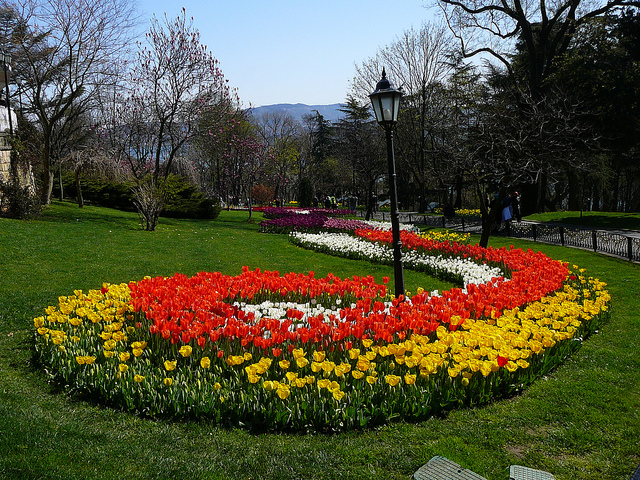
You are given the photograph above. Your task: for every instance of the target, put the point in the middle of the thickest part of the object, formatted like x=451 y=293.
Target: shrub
x=185 y=200
x=305 y=192
x=17 y=201
x=182 y=199
x=262 y=194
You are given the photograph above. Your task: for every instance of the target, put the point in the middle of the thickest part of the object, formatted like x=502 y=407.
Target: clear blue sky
x=293 y=51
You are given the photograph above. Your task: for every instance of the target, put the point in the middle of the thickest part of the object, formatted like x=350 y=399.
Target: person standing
x=515 y=206
x=507 y=214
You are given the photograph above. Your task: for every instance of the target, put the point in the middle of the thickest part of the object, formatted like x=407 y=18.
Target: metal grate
x=518 y=472
x=440 y=468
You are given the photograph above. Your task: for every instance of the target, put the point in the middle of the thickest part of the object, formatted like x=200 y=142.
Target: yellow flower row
x=483 y=346
x=446 y=236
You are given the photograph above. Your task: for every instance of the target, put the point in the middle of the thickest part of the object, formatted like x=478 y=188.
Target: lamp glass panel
x=387 y=106
x=377 y=107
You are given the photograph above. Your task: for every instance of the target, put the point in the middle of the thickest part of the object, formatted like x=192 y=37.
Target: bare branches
x=65 y=51
x=544 y=28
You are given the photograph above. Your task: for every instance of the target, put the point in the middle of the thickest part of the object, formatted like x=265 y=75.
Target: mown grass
x=580 y=422
x=616 y=220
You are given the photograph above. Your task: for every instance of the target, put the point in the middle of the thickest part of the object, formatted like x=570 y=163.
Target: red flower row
x=182 y=309
x=533 y=276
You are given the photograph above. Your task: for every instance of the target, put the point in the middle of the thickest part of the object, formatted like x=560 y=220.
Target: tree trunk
x=574 y=193
x=61 y=184
x=79 y=190
x=48 y=188
x=458 y=202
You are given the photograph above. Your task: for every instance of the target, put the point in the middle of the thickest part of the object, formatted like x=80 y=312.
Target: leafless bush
x=148 y=198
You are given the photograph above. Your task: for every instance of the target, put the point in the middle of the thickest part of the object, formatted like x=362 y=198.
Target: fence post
x=462 y=223
x=595 y=240
x=630 y=248
x=562 y=236
x=424 y=218
x=444 y=222
x=533 y=231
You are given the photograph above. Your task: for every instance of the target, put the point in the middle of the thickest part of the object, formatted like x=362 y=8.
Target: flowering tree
x=175 y=79
x=246 y=161
x=174 y=82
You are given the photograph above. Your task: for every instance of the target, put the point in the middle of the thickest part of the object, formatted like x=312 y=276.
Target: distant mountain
x=299 y=110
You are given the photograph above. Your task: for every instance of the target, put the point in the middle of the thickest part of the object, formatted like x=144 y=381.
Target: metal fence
x=616 y=243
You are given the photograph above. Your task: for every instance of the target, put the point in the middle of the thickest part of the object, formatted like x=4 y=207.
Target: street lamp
x=6 y=65
x=386 y=104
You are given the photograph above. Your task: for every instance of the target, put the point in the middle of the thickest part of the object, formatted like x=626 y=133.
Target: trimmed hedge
x=183 y=199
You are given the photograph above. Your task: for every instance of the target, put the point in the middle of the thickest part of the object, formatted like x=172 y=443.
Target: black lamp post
x=386 y=103
x=6 y=65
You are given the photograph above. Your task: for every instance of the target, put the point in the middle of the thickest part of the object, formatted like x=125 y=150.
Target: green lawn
x=580 y=422
x=617 y=220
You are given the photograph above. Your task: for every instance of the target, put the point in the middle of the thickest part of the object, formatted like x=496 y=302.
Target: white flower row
x=380 y=225
x=344 y=244
x=278 y=311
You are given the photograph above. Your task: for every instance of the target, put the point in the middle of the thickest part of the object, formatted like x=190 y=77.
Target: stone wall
x=5 y=158
x=25 y=176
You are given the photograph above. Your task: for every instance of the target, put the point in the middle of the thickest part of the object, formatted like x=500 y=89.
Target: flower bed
x=293 y=351
x=283 y=221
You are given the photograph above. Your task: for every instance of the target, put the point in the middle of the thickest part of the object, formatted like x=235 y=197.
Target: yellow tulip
x=170 y=365
x=205 y=362
x=328 y=366
x=284 y=364
x=392 y=380
x=338 y=394
x=185 y=350
x=319 y=356
x=324 y=383
x=283 y=391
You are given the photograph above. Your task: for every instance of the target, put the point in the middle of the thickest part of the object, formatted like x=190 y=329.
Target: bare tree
x=418 y=63
x=517 y=139
x=65 y=51
x=545 y=29
x=281 y=132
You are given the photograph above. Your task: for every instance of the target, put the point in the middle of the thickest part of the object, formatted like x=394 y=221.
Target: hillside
x=299 y=110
